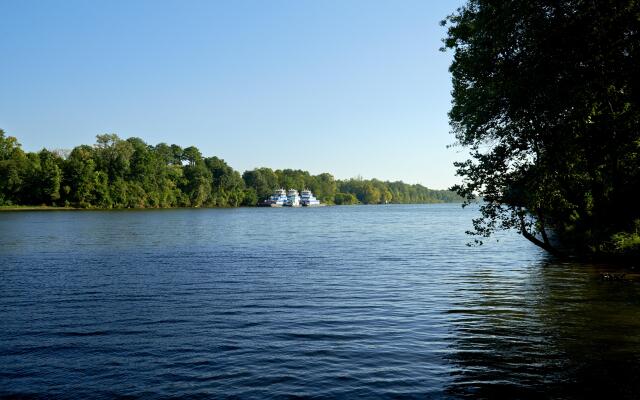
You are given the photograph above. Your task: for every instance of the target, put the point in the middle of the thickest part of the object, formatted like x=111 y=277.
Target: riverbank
x=37 y=208
x=62 y=208
x=56 y=208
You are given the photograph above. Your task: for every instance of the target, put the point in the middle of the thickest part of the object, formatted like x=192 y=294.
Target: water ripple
x=344 y=302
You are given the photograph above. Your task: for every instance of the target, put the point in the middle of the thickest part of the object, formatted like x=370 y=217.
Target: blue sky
x=347 y=87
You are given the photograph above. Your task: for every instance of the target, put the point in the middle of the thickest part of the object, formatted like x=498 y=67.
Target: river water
x=331 y=302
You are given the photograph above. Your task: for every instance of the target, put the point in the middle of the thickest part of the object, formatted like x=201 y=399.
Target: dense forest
x=117 y=173
x=546 y=96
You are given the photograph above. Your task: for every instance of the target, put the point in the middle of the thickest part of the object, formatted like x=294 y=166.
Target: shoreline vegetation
x=115 y=173
x=554 y=146
x=12 y=208
x=37 y=208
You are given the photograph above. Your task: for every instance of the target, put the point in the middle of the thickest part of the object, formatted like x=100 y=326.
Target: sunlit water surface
x=333 y=302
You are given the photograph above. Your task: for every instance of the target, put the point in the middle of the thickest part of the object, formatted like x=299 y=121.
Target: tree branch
x=542 y=244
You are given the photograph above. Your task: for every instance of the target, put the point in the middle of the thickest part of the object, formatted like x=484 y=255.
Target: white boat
x=277 y=199
x=307 y=199
x=293 y=198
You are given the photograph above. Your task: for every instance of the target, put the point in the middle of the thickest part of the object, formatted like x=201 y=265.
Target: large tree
x=546 y=95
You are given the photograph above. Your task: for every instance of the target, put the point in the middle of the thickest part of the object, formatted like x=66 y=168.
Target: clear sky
x=341 y=86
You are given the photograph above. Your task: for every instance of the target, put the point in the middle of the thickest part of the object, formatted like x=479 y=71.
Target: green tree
x=324 y=187
x=113 y=155
x=249 y=197
x=198 y=178
x=78 y=169
x=386 y=196
x=263 y=180
x=371 y=194
x=345 y=199
x=12 y=164
x=227 y=185
x=545 y=96
x=192 y=155
x=167 y=173
x=292 y=179
x=50 y=177
x=101 y=195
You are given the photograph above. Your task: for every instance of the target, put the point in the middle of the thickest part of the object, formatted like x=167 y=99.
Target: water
x=333 y=302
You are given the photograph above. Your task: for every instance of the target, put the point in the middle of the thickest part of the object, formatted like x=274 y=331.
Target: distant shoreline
x=39 y=208
x=117 y=173
x=62 y=208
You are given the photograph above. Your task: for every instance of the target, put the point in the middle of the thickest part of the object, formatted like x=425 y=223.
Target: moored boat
x=277 y=199
x=293 y=198
x=307 y=199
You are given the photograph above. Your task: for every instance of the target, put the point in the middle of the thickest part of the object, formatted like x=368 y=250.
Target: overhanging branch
x=546 y=245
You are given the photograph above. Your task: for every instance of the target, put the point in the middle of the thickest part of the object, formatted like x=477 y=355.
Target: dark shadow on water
x=563 y=332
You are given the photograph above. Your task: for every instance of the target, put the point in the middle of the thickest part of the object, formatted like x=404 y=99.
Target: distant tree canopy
x=117 y=173
x=546 y=95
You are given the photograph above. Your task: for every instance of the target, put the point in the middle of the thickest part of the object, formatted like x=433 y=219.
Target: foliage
x=117 y=173
x=12 y=168
x=262 y=180
x=546 y=96
x=345 y=199
x=375 y=191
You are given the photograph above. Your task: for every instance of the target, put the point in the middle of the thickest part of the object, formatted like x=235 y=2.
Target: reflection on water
x=561 y=331
x=331 y=302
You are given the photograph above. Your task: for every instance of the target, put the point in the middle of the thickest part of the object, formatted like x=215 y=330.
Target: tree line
x=129 y=173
